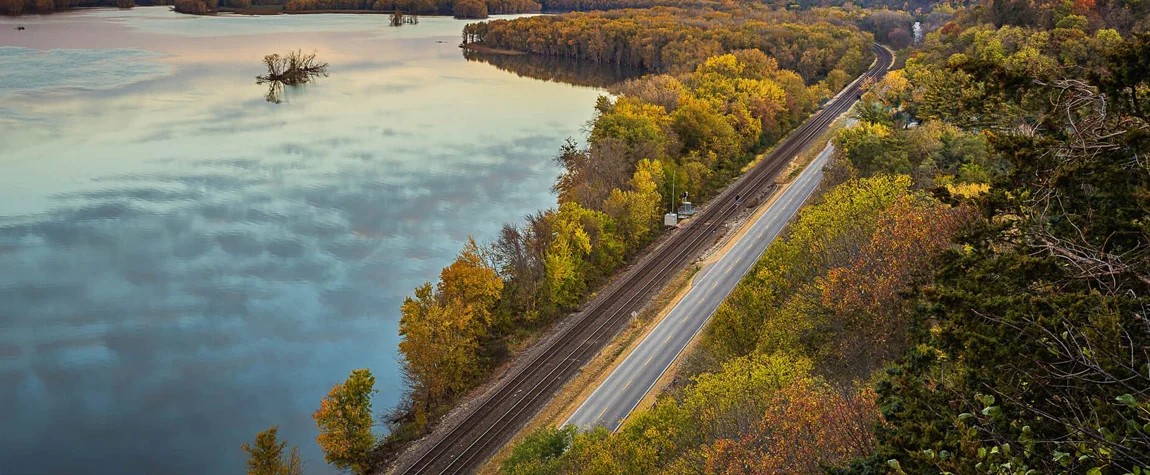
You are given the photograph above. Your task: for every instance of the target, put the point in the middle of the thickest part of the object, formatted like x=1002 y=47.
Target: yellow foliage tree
x=636 y=211
x=439 y=349
x=267 y=456
x=442 y=329
x=472 y=285
x=344 y=420
x=564 y=260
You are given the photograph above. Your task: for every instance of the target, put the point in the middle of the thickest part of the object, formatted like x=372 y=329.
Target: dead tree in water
x=398 y=18
x=292 y=68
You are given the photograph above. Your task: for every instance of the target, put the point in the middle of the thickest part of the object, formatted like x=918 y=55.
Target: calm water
x=183 y=264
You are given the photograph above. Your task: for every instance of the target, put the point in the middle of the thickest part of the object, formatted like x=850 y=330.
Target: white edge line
x=704 y=325
x=616 y=370
x=680 y=302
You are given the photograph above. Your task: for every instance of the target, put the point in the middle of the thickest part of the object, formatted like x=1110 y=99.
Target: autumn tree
x=676 y=39
x=439 y=350
x=470 y=9
x=443 y=329
x=807 y=425
x=12 y=7
x=662 y=90
x=637 y=210
x=345 y=420
x=866 y=297
x=267 y=457
x=887 y=23
x=518 y=254
x=705 y=131
x=590 y=174
x=643 y=128
x=566 y=261
x=471 y=284
x=761 y=312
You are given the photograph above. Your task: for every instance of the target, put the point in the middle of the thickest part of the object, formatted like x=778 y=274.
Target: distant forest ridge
x=1125 y=16
x=430 y=7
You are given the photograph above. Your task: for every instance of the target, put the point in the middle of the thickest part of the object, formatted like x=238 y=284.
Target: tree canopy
x=967 y=295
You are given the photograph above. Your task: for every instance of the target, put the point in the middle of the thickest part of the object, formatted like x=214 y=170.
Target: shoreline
x=479 y=48
x=265 y=10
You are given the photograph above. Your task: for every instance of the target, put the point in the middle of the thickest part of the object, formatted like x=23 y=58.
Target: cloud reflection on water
x=183 y=264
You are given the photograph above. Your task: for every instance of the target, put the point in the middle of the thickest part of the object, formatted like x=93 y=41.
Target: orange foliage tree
x=807 y=425
x=866 y=296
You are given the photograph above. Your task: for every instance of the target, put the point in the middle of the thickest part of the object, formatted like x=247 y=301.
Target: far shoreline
x=265 y=10
x=479 y=48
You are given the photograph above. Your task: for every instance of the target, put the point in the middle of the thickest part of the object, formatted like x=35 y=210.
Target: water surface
x=183 y=264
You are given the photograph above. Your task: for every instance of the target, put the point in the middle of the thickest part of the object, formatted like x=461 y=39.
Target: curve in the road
x=520 y=396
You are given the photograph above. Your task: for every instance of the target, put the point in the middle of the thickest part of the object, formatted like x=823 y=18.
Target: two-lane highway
x=616 y=397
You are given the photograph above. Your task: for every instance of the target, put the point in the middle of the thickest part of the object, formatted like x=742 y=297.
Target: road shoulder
x=596 y=371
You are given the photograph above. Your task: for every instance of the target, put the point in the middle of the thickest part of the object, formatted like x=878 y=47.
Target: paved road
x=463 y=445
x=613 y=400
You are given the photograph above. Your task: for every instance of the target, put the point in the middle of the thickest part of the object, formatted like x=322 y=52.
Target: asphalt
x=621 y=392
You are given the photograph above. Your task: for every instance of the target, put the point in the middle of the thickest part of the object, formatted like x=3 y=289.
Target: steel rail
x=593 y=328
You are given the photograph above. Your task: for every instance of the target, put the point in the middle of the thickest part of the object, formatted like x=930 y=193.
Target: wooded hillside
x=969 y=294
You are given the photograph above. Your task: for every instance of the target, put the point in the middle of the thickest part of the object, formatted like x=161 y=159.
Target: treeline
x=671 y=39
x=457 y=8
x=1125 y=16
x=558 y=6
x=18 y=7
x=912 y=6
x=892 y=27
x=984 y=269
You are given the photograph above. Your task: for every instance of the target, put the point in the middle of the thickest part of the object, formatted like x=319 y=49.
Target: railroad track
x=519 y=398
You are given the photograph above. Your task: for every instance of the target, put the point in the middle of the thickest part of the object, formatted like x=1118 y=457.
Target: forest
x=693 y=132
x=458 y=9
x=968 y=294
x=18 y=7
x=692 y=124
x=814 y=43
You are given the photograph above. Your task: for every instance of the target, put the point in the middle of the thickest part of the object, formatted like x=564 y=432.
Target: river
x=184 y=263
